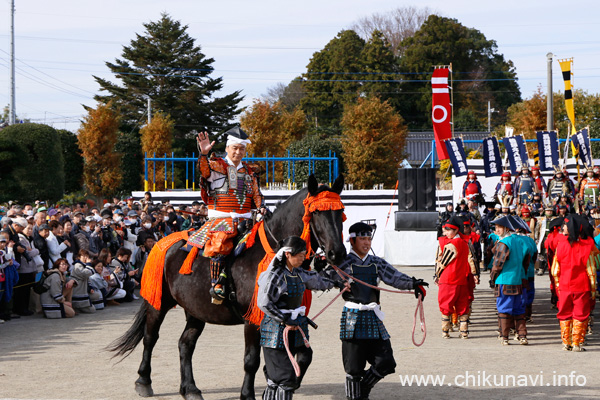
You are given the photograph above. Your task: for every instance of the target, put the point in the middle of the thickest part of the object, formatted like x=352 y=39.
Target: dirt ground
x=64 y=359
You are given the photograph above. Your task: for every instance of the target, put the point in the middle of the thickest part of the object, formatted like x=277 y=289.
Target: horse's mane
x=282 y=205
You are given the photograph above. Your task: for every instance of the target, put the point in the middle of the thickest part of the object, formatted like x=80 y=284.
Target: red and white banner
x=441 y=113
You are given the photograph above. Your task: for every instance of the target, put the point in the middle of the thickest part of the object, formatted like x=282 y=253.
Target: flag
x=536 y=157
x=548 y=150
x=581 y=141
x=458 y=158
x=491 y=157
x=516 y=151
x=441 y=111
x=565 y=67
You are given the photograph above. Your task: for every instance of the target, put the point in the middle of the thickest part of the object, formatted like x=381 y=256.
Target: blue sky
x=256 y=44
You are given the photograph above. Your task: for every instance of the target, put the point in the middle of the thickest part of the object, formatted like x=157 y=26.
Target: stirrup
x=217 y=293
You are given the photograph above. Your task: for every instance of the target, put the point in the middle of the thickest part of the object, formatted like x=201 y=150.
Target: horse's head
x=327 y=216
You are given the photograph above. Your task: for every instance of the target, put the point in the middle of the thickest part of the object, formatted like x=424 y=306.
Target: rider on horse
x=232 y=191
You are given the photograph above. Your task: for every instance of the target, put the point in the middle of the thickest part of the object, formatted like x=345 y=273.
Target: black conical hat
x=237 y=132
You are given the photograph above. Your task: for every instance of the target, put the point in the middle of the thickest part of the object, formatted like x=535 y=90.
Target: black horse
x=191 y=292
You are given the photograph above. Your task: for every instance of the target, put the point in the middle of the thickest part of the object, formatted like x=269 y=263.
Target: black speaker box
x=425 y=189
x=416 y=189
x=407 y=189
x=416 y=221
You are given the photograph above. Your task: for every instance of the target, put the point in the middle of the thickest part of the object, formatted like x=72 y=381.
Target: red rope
x=418 y=310
x=286 y=343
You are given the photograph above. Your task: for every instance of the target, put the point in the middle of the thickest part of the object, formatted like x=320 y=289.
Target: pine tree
x=481 y=74
x=333 y=78
x=165 y=65
x=157 y=138
x=374 y=138
x=97 y=138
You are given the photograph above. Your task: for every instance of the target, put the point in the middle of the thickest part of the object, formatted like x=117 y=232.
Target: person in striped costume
x=231 y=190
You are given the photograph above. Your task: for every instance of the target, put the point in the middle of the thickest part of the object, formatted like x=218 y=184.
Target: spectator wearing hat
x=27 y=273
x=89 y=236
x=76 y=219
x=18 y=224
x=54 y=214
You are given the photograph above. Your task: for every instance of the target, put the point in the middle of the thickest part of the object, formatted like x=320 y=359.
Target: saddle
x=241 y=230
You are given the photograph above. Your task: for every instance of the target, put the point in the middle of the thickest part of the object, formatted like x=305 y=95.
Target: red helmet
x=471 y=172
x=525 y=210
x=506 y=173
x=535 y=168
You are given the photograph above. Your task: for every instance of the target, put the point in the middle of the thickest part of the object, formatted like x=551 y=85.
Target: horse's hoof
x=144 y=390
x=193 y=396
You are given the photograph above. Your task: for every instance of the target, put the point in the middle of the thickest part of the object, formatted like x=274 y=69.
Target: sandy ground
x=64 y=359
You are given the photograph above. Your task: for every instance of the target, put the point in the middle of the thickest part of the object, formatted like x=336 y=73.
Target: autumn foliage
x=272 y=128
x=157 y=138
x=528 y=116
x=96 y=139
x=374 y=138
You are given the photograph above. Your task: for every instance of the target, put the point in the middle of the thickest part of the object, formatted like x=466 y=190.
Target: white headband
x=282 y=250
x=234 y=140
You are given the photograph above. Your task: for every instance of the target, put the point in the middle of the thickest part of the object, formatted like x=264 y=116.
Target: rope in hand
x=286 y=342
x=419 y=310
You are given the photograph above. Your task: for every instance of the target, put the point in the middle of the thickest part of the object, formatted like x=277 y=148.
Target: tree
x=97 y=138
x=157 y=138
x=332 y=80
x=288 y=95
x=271 y=128
x=73 y=161
x=374 y=139
x=132 y=161
x=396 y=25
x=39 y=169
x=11 y=158
x=165 y=65
x=320 y=144
x=480 y=73
x=528 y=116
x=466 y=120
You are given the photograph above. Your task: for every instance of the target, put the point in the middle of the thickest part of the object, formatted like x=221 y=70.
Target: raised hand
x=204 y=144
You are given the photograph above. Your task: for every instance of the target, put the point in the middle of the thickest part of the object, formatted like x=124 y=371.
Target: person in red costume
x=540 y=183
x=453 y=266
x=504 y=190
x=574 y=272
x=472 y=187
x=550 y=244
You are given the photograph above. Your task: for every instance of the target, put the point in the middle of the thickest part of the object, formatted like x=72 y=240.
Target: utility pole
x=12 y=108
x=490 y=111
x=149 y=110
x=549 y=96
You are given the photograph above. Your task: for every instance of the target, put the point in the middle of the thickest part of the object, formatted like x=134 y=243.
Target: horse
x=191 y=292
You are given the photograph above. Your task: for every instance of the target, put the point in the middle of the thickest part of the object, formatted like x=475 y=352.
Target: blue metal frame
x=270 y=162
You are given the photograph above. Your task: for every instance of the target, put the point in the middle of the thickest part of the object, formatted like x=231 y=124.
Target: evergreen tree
x=165 y=65
x=39 y=169
x=480 y=73
x=333 y=78
x=73 y=161
x=380 y=67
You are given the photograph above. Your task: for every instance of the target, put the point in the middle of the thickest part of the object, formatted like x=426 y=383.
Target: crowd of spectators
x=81 y=258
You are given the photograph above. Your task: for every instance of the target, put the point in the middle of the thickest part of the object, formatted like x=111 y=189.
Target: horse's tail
x=124 y=345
